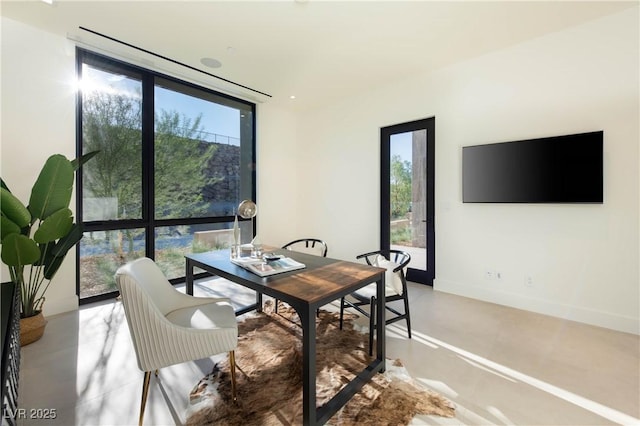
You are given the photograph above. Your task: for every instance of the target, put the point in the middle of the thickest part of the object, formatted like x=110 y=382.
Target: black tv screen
x=559 y=169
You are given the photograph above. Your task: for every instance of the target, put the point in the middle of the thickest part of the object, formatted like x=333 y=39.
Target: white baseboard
x=546 y=307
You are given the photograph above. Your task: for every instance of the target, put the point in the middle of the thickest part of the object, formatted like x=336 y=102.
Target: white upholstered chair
x=169 y=327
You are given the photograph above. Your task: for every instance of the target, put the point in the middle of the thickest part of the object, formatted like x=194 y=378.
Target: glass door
x=407 y=221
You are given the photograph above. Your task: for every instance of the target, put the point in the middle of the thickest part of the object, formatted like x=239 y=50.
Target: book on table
x=265 y=268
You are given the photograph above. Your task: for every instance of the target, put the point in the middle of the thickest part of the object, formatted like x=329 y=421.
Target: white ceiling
x=316 y=50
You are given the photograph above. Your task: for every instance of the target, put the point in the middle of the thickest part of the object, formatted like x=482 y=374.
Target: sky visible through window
x=401 y=145
x=216 y=118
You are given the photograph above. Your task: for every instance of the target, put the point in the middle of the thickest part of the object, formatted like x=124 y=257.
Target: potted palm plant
x=36 y=238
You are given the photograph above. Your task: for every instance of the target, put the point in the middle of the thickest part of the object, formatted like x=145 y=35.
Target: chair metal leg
x=145 y=392
x=277 y=303
x=232 y=363
x=408 y=316
x=372 y=316
x=341 y=311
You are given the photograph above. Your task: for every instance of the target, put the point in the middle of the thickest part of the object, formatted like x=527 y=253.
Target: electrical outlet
x=528 y=280
x=488 y=275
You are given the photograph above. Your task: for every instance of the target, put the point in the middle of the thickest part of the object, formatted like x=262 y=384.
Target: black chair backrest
x=402 y=258
x=308 y=244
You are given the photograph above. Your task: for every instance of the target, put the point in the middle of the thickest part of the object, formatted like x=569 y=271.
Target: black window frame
x=148 y=222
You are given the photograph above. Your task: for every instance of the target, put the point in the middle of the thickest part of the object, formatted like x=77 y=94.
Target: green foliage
x=53 y=188
x=18 y=250
x=401 y=236
x=13 y=211
x=174 y=255
x=400 y=187
x=7 y=227
x=200 y=247
x=57 y=225
x=181 y=161
x=105 y=266
x=39 y=236
x=112 y=123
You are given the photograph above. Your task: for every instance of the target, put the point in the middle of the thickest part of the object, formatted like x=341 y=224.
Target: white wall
x=583 y=258
x=278 y=181
x=38 y=119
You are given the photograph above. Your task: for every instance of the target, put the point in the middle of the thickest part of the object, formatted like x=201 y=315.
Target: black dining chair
x=306 y=245
x=395 y=262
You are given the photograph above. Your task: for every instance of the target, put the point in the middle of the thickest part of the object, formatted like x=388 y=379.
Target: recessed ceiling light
x=47 y=1
x=292 y=97
x=211 y=63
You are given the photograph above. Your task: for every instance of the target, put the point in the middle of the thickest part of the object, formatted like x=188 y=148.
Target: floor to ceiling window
x=175 y=161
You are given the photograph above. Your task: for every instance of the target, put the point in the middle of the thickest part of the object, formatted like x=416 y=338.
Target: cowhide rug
x=269 y=382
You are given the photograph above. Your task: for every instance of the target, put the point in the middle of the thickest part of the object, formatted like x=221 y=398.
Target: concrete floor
x=498 y=365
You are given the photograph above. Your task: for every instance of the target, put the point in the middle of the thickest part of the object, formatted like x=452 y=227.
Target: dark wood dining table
x=320 y=282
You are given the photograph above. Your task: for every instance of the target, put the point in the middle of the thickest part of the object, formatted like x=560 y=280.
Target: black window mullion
x=148 y=169
x=79 y=202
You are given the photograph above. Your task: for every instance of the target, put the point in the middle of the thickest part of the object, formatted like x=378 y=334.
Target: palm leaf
x=7 y=227
x=53 y=188
x=71 y=239
x=78 y=162
x=54 y=227
x=13 y=209
x=19 y=250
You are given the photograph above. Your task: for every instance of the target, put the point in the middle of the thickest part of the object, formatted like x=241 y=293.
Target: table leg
x=381 y=325
x=258 y=301
x=308 y=323
x=189 y=277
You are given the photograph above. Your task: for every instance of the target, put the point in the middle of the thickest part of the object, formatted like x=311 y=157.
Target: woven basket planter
x=32 y=328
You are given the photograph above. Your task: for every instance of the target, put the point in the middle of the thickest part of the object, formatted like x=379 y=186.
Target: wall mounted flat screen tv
x=560 y=169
